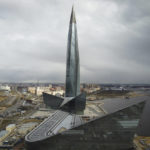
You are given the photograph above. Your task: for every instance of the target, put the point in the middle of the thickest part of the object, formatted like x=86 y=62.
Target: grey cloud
x=113 y=40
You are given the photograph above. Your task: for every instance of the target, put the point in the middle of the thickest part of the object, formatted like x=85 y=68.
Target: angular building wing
x=52 y=101
x=113 y=130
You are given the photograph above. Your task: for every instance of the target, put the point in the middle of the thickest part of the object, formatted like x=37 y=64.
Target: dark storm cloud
x=113 y=40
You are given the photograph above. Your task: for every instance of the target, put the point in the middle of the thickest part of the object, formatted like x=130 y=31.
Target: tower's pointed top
x=73 y=18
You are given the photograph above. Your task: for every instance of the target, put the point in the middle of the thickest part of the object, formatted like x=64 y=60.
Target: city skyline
x=113 y=40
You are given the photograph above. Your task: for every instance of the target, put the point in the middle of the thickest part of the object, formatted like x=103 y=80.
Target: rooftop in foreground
x=61 y=121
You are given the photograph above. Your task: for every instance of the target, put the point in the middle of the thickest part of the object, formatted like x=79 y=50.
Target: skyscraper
x=112 y=128
x=73 y=100
x=72 y=64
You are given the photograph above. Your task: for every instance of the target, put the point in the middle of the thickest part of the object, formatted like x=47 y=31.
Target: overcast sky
x=114 y=40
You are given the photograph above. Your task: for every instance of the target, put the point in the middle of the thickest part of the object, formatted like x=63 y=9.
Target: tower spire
x=72 y=18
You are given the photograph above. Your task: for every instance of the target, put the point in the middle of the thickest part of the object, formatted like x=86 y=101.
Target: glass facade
x=72 y=65
x=111 y=132
x=144 y=125
x=76 y=105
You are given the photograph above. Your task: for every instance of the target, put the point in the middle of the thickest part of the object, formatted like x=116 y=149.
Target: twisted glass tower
x=72 y=64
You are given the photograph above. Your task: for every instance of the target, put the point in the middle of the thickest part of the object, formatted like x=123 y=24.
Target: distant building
x=22 y=89
x=40 y=90
x=32 y=90
x=5 y=87
x=10 y=127
x=50 y=85
x=59 y=92
x=48 y=89
x=90 y=90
